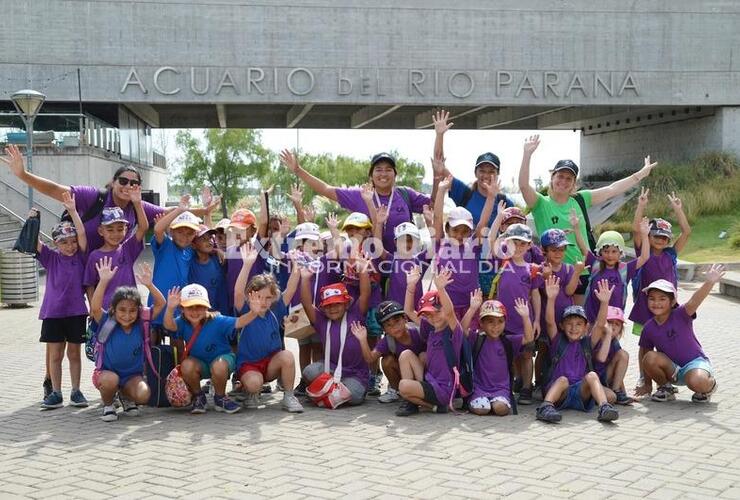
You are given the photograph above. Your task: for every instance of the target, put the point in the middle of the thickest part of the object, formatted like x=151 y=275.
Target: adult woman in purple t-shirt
x=118 y=194
x=401 y=201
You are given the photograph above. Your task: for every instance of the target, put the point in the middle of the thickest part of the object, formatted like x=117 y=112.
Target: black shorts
x=71 y=329
x=582 y=285
x=429 y=395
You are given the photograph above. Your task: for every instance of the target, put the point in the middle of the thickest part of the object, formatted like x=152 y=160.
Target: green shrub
x=735 y=236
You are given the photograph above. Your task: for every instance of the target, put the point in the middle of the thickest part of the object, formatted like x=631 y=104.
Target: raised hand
x=438 y=166
x=531 y=143
x=104 y=269
x=367 y=192
x=578 y=267
x=144 y=274
x=206 y=196
x=428 y=214
x=184 y=202
x=382 y=214
x=14 y=160
x=248 y=253
x=296 y=194
x=476 y=298
x=521 y=306
x=173 y=297
x=362 y=263
x=715 y=273
x=646 y=169
x=306 y=273
x=643 y=199
x=332 y=222
x=284 y=227
x=675 y=202
x=552 y=286
x=253 y=299
x=358 y=330
x=309 y=212
x=445 y=184
x=443 y=278
x=413 y=276
x=545 y=270
x=439 y=119
x=603 y=291
x=574 y=219
x=644 y=226
x=68 y=201
x=290 y=160
x=135 y=194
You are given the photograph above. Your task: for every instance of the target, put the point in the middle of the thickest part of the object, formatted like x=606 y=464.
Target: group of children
x=502 y=314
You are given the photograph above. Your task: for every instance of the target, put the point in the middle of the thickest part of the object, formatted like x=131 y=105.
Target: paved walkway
x=654 y=450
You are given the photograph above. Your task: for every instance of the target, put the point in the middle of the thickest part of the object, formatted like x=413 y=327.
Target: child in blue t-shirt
x=122 y=343
x=208 y=270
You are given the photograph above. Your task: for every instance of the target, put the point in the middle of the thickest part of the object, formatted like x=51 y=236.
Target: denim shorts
x=573 y=400
x=205 y=369
x=679 y=372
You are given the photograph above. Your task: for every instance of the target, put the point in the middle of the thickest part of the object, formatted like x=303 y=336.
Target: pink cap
x=615 y=313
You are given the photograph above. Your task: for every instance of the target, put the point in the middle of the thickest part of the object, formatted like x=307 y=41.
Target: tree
x=226 y=160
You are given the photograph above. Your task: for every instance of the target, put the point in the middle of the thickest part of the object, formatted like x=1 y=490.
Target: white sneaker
x=109 y=414
x=291 y=404
x=129 y=407
x=390 y=396
x=252 y=401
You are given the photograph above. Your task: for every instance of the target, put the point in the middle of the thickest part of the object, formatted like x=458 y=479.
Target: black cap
x=383 y=157
x=388 y=309
x=488 y=158
x=566 y=165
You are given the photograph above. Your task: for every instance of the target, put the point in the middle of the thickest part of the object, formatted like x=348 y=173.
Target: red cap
x=335 y=293
x=429 y=302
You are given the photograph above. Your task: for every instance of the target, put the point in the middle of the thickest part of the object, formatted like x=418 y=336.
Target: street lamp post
x=27 y=103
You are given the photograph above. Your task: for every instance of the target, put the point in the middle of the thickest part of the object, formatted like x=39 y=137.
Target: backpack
x=637 y=286
x=92 y=211
x=509 y=363
x=102 y=334
x=563 y=343
x=461 y=365
x=596 y=268
x=468 y=194
x=589 y=232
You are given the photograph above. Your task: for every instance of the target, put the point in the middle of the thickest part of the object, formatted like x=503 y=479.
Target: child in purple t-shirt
x=399 y=336
x=572 y=382
x=610 y=360
x=63 y=310
x=669 y=349
x=430 y=383
x=113 y=229
x=493 y=349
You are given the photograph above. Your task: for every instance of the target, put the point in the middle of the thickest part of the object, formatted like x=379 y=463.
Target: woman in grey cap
x=487 y=168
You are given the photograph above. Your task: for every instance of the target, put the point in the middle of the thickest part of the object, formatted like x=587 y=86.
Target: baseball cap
x=492 y=308
x=513 y=213
x=194 y=295
x=488 y=158
x=406 y=229
x=610 y=239
x=307 y=231
x=382 y=157
x=204 y=230
x=336 y=293
x=460 y=216
x=662 y=285
x=222 y=225
x=565 y=165
x=554 y=238
x=615 y=313
x=63 y=230
x=186 y=219
x=111 y=215
x=357 y=219
x=325 y=235
x=575 y=311
x=387 y=310
x=661 y=227
x=519 y=232
x=243 y=218
x=429 y=302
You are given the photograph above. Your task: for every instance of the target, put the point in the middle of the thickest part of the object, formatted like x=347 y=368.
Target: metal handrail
x=25 y=195
x=22 y=220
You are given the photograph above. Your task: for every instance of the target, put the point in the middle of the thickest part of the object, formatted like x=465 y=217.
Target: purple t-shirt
x=491 y=372
x=353 y=364
x=438 y=372
x=64 y=295
x=396 y=289
x=85 y=197
x=323 y=275
x=517 y=282
x=463 y=260
x=418 y=344
x=122 y=257
x=657 y=267
x=562 y=300
x=398 y=210
x=611 y=274
x=614 y=348
x=572 y=364
x=675 y=338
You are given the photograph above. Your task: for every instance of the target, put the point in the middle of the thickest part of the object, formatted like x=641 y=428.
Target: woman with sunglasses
x=117 y=193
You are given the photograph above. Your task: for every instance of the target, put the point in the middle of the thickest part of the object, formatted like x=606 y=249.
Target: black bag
x=163 y=357
x=92 y=211
x=28 y=239
x=589 y=232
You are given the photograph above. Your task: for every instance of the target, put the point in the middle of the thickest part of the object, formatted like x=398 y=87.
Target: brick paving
x=661 y=451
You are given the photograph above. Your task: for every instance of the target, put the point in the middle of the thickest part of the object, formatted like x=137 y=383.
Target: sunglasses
x=125 y=181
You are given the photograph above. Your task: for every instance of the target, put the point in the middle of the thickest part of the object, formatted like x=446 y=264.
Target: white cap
x=662 y=285
x=186 y=219
x=460 y=216
x=222 y=224
x=325 y=235
x=406 y=228
x=307 y=231
x=194 y=295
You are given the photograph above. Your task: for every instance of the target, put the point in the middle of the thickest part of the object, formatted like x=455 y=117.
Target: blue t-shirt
x=261 y=337
x=123 y=353
x=476 y=201
x=213 y=277
x=214 y=339
x=171 y=268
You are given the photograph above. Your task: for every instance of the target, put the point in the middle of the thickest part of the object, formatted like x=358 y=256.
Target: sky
x=462 y=147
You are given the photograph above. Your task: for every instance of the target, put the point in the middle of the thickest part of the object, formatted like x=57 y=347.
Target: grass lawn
x=704 y=244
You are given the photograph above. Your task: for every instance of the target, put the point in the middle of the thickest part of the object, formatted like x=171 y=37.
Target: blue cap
x=111 y=215
x=575 y=311
x=554 y=238
x=488 y=158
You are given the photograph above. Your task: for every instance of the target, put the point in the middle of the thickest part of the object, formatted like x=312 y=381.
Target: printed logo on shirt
x=671 y=333
x=211 y=348
x=137 y=352
x=555 y=219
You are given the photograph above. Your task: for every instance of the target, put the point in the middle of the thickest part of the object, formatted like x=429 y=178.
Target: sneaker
x=224 y=404
x=266 y=389
x=300 y=390
x=109 y=414
x=517 y=385
x=547 y=413
x=623 y=398
x=607 y=413
x=406 y=409
x=117 y=400
x=53 y=400
x=439 y=409
x=78 y=399
x=130 y=409
x=279 y=387
x=48 y=389
x=373 y=388
x=390 y=396
x=704 y=397
x=663 y=394
x=210 y=392
x=291 y=405
x=252 y=401
x=237 y=394
x=199 y=403
x=672 y=388
x=525 y=396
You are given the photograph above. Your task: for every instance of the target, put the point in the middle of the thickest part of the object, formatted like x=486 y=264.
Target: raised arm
x=290 y=160
x=363 y=266
x=552 y=288
x=492 y=191
x=438 y=156
x=142 y=222
x=249 y=316
x=645 y=245
x=381 y=218
x=106 y=273
x=292 y=285
x=713 y=276
x=575 y=278
x=68 y=200
x=144 y=276
x=537 y=306
x=495 y=227
x=14 y=160
x=522 y=309
x=366 y=192
x=173 y=301
x=306 y=298
x=683 y=222
x=210 y=203
x=574 y=220
x=623 y=185
x=360 y=333
x=412 y=279
x=439 y=203
x=334 y=250
x=163 y=223
x=441 y=280
x=603 y=293
x=249 y=256
x=476 y=299
x=296 y=197
x=262 y=217
x=642 y=202
x=528 y=192
x=606 y=340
